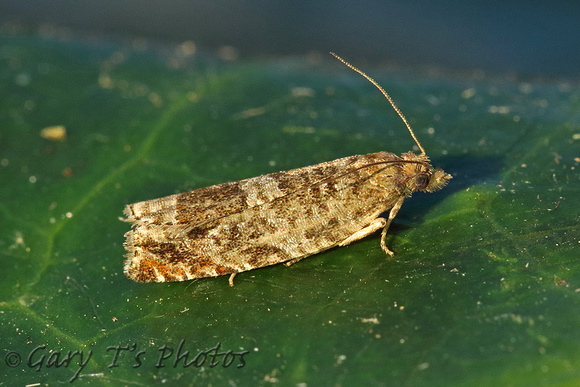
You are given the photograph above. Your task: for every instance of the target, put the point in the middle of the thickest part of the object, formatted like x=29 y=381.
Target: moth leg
x=231 y=280
x=377 y=224
x=394 y=211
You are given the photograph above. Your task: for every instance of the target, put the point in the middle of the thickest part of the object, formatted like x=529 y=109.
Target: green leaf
x=483 y=289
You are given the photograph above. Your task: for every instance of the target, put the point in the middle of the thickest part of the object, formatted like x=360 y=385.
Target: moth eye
x=422 y=181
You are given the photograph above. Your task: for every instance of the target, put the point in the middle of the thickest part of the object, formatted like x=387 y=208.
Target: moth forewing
x=277 y=218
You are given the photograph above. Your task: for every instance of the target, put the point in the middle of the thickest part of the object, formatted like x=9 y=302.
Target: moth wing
x=264 y=220
x=210 y=203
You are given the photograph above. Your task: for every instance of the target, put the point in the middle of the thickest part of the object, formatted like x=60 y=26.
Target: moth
x=282 y=217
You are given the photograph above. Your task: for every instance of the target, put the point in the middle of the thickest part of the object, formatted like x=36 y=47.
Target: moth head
x=422 y=176
x=437 y=180
x=428 y=179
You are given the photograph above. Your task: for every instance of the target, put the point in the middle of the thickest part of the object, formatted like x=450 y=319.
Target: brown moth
x=282 y=217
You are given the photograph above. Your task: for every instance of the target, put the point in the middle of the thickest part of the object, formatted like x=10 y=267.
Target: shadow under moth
x=282 y=217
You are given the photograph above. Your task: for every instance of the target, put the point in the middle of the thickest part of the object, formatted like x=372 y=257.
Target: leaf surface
x=483 y=289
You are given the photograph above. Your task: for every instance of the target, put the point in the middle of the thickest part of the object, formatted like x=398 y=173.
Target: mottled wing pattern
x=239 y=226
x=221 y=200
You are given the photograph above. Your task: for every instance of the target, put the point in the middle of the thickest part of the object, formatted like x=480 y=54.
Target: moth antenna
x=387 y=96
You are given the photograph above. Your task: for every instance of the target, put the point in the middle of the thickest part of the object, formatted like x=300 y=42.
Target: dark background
x=526 y=37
